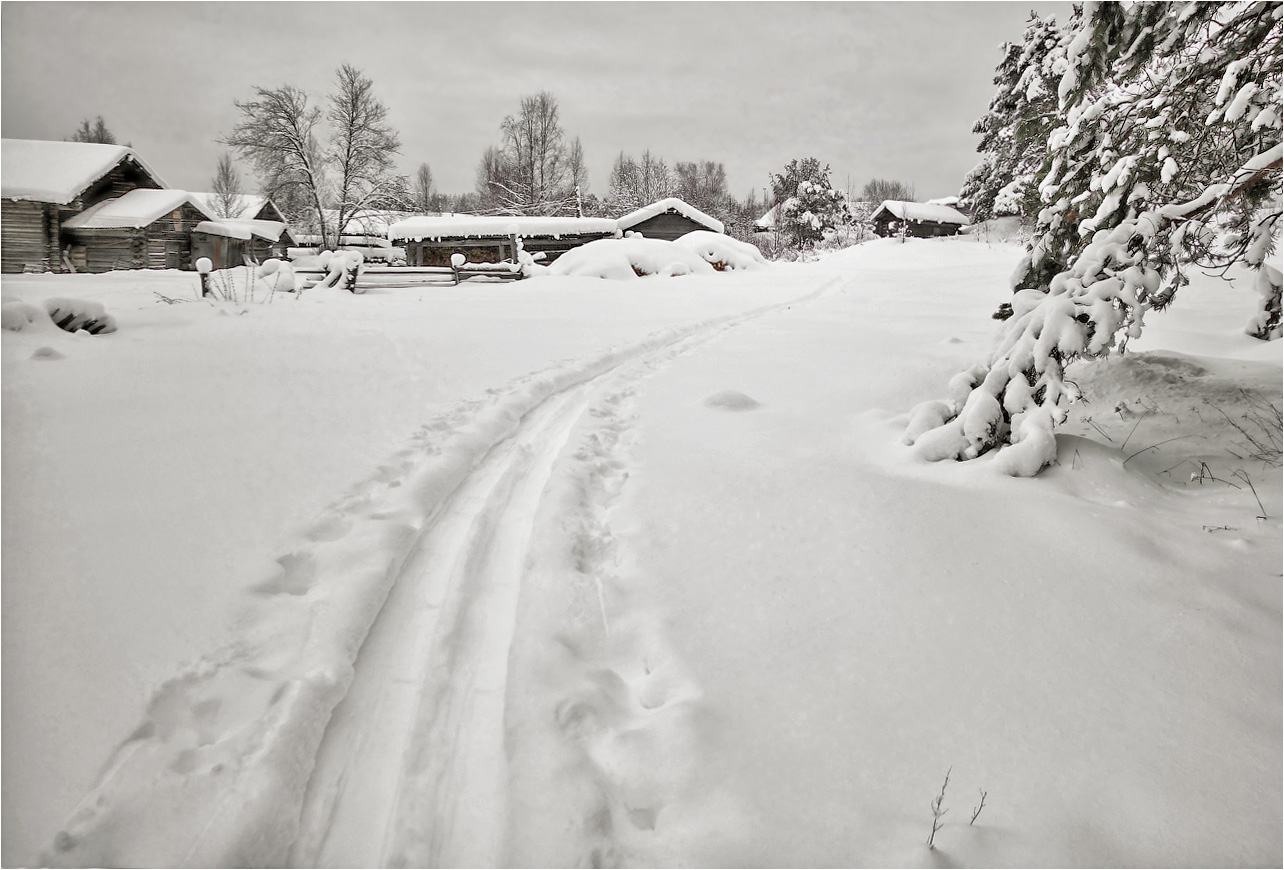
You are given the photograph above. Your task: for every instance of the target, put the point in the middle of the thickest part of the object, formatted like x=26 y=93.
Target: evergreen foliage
x=1166 y=153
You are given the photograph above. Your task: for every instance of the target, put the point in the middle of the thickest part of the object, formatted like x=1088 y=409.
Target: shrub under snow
x=633 y=257
x=721 y=251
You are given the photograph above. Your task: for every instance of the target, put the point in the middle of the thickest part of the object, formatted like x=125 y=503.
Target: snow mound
x=722 y=252
x=732 y=400
x=73 y=315
x=636 y=257
x=17 y=316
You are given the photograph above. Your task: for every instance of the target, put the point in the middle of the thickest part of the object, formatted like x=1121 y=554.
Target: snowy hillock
x=721 y=251
x=633 y=257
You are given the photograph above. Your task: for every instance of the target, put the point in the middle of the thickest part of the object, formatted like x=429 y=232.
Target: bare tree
x=226 y=187
x=577 y=174
x=424 y=193
x=528 y=173
x=96 y=133
x=879 y=189
x=635 y=183
x=277 y=134
x=704 y=185
x=363 y=145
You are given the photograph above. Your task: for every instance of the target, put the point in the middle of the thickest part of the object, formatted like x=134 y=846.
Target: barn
x=431 y=240
x=668 y=219
x=143 y=229
x=919 y=219
x=44 y=184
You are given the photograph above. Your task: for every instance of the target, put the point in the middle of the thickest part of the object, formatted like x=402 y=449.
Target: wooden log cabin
x=668 y=219
x=45 y=184
x=144 y=229
x=431 y=240
x=919 y=219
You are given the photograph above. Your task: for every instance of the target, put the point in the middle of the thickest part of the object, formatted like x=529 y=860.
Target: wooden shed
x=229 y=243
x=919 y=219
x=46 y=183
x=144 y=229
x=668 y=219
x=431 y=240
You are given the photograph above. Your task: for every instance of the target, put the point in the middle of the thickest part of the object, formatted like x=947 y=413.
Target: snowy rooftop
x=249 y=204
x=483 y=226
x=138 y=208
x=242 y=229
x=670 y=204
x=58 y=172
x=921 y=211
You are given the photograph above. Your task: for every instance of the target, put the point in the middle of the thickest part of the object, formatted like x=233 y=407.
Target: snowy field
x=573 y=572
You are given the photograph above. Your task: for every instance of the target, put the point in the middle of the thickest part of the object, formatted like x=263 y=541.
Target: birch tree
x=226 y=187
x=282 y=136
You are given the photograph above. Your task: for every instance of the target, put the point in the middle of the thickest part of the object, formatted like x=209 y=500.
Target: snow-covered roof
x=921 y=211
x=249 y=204
x=489 y=226
x=58 y=172
x=138 y=208
x=768 y=220
x=229 y=229
x=945 y=200
x=671 y=204
x=242 y=229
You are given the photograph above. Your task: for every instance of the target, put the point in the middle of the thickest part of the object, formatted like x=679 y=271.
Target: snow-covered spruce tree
x=1014 y=131
x=809 y=204
x=1168 y=154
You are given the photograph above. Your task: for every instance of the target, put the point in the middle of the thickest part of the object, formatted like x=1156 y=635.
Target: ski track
x=360 y=719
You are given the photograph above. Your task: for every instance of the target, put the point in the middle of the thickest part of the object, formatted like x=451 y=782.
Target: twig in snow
x=1156 y=444
x=976 y=812
x=937 y=812
x=1134 y=428
x=1242 y=475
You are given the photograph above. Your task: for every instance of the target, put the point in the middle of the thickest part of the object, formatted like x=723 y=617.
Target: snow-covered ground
x=576 y=572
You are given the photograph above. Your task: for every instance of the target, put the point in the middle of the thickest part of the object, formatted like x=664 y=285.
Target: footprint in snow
x=732 y=400
x=47 y=353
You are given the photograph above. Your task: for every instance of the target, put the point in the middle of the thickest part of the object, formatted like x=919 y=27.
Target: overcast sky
x=888 y=90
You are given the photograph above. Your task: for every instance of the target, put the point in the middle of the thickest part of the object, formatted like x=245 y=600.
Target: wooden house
x=668 y=219
x=43 y=184
x=431 y=240
x=143 y=229
x=918 y=219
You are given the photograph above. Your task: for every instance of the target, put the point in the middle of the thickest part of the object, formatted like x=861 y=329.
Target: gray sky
x=887 y=90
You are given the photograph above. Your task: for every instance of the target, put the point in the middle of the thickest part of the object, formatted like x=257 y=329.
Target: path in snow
x=361 y=721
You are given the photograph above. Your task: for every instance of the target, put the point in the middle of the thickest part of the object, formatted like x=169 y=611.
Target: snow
x=137 y=208
x=721 y=251
x=484 y=226
x=921 y=211
x=57 y=172
x=242 y=229
x=248 y=204
x=626 y=259
x=225 y=228
x=533 y=574
x=665 y=205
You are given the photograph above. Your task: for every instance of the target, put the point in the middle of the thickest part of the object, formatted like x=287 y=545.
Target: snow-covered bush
x=16 y=316
x=634 y=257
x=814 y=208
x=722 y=252
x=1168 y=154
x=74 y=315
